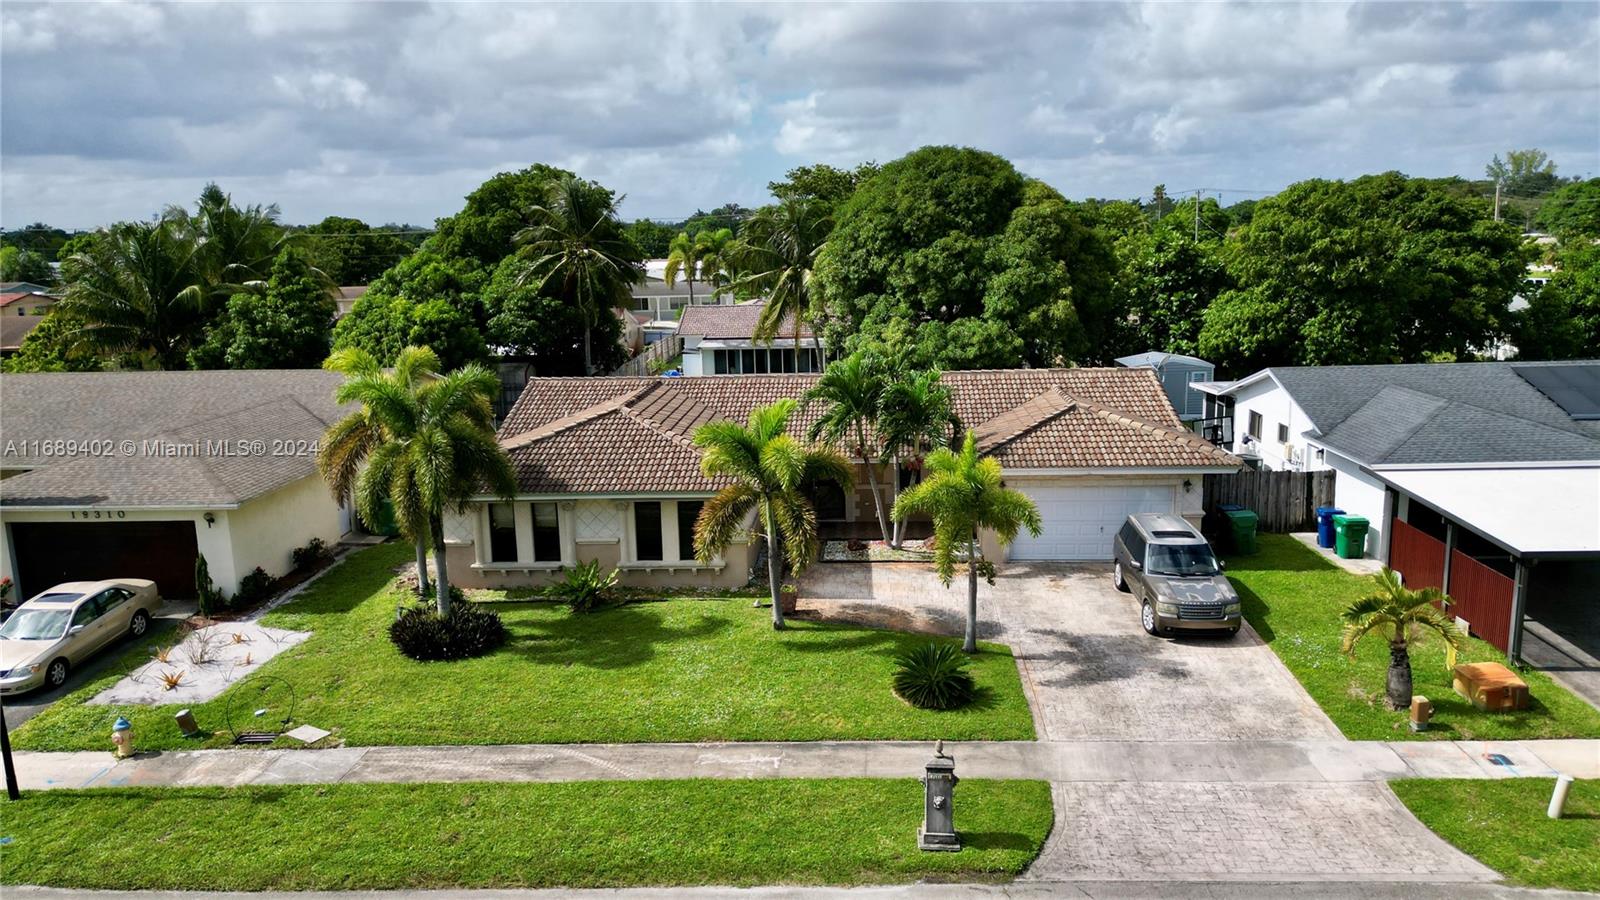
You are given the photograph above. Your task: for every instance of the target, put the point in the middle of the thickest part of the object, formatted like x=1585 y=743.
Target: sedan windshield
x=1182 y=559
x=36 y=624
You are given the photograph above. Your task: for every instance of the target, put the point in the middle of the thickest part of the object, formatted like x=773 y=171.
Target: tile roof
x=731 y=323
x=197 y=438
x=632 y=435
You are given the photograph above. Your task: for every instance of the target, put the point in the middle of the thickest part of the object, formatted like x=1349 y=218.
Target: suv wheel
x=1117 y=579
x=139 y=624
x=56 y=675
x=1147 y=617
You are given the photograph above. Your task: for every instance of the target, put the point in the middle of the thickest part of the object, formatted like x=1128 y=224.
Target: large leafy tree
x=965 y=492
x=1397 y=614
x=825 y=184
x=17 y=264
x=1525 y=172
x=1573 y=212
x=285 y=324
x=1167 y=282
x=950 y=256
x=654 y=239
x=528 y=323
x=49 y=348
x=351 y=252
x=579 y=251
x=1562 y=320
x=769 y=470
x=133 y=292
x=1381 y=269
x=701 y=257
x=850 y=393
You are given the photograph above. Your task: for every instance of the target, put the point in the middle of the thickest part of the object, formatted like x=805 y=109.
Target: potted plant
x=789 y=597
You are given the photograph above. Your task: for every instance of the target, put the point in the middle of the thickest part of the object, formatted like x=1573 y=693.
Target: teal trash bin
x=1350 y=536
x=1242 y=530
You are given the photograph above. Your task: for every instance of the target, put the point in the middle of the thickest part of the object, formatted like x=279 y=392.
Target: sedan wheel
x=140 y=623
x=1147 y=617
x=56 y=675
x=1116 y=577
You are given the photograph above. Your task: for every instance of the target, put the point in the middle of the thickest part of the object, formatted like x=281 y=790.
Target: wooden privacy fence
x=1282 y=501
x=663 y=351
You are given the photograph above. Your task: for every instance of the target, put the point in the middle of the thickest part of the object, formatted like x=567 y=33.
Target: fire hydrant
x=122 y=737
x=938 y=831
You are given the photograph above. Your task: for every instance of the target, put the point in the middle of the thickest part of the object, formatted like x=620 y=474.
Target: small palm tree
x=775 y=256
x=702 y=258
x=578 y=249
x=917 y=416
x=1399 y=614
x=964 y=492
x=851 y=391
x=769 y=469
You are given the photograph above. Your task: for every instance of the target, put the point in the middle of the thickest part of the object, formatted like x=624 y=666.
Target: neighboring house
x=661 y=303
x=13 y=330
x=1480 y=478
x=720 y=340
x=23 y=287
x=132 y=474
x=347 y=298
x=1090 y=446
x=26 y=303
x=1177 y=373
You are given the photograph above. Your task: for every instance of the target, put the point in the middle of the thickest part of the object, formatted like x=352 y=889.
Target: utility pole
x=1197 y=196
x=1497 y=200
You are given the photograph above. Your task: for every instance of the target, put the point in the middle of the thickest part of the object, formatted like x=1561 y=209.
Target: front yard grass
x=579 y=834
x=1502 y=824
x=675 y=670
x=1293 y=598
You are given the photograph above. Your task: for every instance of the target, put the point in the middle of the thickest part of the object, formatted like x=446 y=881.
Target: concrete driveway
x=1090 y=671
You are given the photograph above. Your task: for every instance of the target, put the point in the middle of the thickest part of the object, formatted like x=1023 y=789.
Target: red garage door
x=49 y=553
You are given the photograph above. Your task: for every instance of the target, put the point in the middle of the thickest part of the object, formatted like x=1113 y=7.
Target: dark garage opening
x=48 y=553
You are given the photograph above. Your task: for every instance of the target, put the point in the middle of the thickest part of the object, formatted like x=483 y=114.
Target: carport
x=1508 y=545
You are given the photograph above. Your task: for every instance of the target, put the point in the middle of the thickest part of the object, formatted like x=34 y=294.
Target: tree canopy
x=1573 y=212
x=951 y=257
x=1562 y=320
x=286 y=324
x=351 y=252
x=17 y=264
x=1381 y=269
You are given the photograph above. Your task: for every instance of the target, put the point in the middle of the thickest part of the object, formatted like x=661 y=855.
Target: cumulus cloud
x=393 y=111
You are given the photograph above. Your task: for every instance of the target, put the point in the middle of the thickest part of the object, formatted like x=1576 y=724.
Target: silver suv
x=1174 y=575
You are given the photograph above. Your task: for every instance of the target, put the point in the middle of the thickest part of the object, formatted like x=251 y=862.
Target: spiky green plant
x=1398 y=614
x=933 y=676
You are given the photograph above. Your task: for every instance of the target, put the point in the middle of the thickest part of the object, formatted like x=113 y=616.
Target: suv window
x=1134 y=541
x=1181 y=559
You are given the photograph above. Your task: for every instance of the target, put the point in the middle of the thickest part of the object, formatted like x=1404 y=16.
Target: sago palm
x=580 y=252
x=850 y=392
x=917 y=416
x=702 y=258
x=964 y=492
x=775 y=256
x=1398 y=614
x=769 y=469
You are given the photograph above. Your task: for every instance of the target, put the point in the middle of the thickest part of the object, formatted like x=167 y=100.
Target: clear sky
x=394 y=111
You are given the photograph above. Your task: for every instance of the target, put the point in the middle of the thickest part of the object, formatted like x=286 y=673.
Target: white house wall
x=265 y=531
x=1360 y=494
x=1276 y=407
x=212 y=540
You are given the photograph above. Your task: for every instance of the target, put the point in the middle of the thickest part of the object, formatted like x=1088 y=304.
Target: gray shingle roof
x=1437 y=414
x=197 y=438
x=736 y=322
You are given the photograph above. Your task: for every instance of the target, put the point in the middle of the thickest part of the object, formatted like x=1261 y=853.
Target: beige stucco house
x=606 y=469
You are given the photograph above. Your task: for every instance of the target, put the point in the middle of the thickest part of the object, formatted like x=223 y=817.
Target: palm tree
x=964 y=492
x=702 y=257
x=775 y=256
x=852 y=391
x=389 y=415
x=916 y=416
x=577 y=247
x=236 y=245
x=769 y=470
x=134 y=290
x=1399 y=614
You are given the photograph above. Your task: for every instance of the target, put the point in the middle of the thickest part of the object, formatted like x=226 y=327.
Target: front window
x=502 y=532
x=1283 y=434
x=647 y=531
x=1255 y=425
x=688 y=513
x=1181 y=560
x=546 y=532
x=35 y=625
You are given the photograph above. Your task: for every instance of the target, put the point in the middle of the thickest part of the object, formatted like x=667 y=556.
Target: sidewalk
x=1057 y=761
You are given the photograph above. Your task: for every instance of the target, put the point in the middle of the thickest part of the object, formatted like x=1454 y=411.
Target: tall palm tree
x=769 y=469
x=851 y=392
x=236 y=245
x=134 y=290
x=702 y=257
x=963 y=493
x=390 y=413
x=916 y=416
x=578 y=248
x=1398 y=614
x=775 y=256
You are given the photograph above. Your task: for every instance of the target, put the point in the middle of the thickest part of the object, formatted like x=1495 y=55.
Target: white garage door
x=1080 y=521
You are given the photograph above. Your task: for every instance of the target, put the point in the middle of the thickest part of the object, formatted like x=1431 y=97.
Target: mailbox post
x=938 y=831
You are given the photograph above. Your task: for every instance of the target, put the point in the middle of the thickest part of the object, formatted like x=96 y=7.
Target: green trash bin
x=1350 y=536
x=1242 y=529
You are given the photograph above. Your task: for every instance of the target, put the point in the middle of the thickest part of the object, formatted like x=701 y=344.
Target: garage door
x=49 y=553
x=1080 y=521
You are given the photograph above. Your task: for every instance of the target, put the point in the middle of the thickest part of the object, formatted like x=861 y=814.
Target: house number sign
x=98 y=514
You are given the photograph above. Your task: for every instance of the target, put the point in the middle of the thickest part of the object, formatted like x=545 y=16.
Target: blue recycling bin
x=1325 y=516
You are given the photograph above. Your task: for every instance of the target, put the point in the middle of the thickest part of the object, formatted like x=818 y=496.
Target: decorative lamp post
x=938 y=831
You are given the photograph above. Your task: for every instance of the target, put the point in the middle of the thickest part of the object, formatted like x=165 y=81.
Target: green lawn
x=581 y=834
x=1293 y=597
x=675 y=670
x=1502 y=824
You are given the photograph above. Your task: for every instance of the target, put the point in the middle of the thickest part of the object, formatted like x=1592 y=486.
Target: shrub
x=933 y=676
x=209 y=597
x=470 y=630
x=312 y=554
x=253 y=588
x=585 y=589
